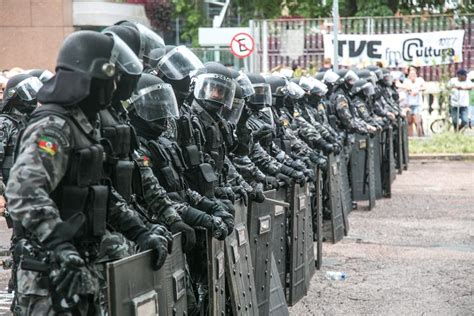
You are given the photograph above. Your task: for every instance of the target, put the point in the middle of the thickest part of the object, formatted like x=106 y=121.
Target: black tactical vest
x=83 y=187
x=7 y=151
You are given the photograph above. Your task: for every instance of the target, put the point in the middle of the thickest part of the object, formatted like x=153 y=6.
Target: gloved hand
x=226 y=217
x=271 y=183
x=73 y=277
x=160 y=246
x=327 y=148
x=188 y=234
x=337 y=148
x=300 y=178
x=309 y=173
x=257 y=193
x=297 y=165
x=284 y=178
x=225 y=193
x=218 y=227
x=240 y=192
x=264 y=131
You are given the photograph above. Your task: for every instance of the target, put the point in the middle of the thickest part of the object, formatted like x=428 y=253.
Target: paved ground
x=412 y=255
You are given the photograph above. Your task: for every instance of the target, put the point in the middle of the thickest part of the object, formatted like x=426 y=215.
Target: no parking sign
x=242 y=45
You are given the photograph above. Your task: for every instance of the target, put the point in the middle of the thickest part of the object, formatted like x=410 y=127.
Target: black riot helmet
x=320 y=75
x=316 y=89
x=20 y=94
x=277 y=84
x=128 y=72
x=150 y=43
x=128 y=34
x=42 y=74
x=152 y=105
x=378 y=72
x=244 y=83
x=387 y=77
x=175 y=66
x=263 y=94
x=86 y=71
x=213 y=87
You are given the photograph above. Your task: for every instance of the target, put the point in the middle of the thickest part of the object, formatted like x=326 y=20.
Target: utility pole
x=335 y=28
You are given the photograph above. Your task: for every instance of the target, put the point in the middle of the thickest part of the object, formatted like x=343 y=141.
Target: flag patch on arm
x=48 y=145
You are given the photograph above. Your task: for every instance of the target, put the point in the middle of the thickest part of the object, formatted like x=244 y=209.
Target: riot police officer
x=65 y=202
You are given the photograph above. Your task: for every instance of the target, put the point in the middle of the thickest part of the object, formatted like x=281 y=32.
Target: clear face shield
x=330 y=77
x=123 y=57
x=320 y=88
x=262 y=95
x=155 y=102
x=307 y=83
x=351 y=77
x=232 y=115
x=45 y=76
x=216 y=88
x=245 y=84
x=368 y=89
x=293 y=91
x=178 y=63
x=26 y=89
x=388 y=79
x=149 y=40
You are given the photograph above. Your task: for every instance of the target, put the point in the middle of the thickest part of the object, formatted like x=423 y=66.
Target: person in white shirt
x=459 y=98
x=413 y=87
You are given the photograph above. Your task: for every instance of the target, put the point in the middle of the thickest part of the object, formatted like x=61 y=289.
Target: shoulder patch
x=48 y=145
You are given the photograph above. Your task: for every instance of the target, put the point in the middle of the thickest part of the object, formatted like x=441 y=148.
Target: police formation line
x=140 y=181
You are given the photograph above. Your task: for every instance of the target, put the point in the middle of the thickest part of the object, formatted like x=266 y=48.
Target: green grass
x=445 y=143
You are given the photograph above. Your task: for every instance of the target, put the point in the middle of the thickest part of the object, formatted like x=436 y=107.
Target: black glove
x=188 y=234
x=257 y=194
x=226 y=217
x=217 y=227
x=225 y=193
x=309 y=173
x=264 y=131
x=297 y=165
x=284 y=178
x=73 y=277
x=337 y=148
x=160 y=246
x=240 y=192
x=271 y=183
x=300 y=178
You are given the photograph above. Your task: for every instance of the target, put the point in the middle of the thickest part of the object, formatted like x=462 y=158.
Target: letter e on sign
x=242 y=45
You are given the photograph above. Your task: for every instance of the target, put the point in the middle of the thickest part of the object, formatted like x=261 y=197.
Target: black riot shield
x=363 y=169
x=317 y=208
x=259 y=223
x=405 y=143
x=346 y=198
x=239 y=269
x=398 y=145
x=300 y=227
x=310 y=261
x=134 y=288
x=378 y=148
x=333 y=228
x=278 y=306
x=388 y=163
x=280 y=231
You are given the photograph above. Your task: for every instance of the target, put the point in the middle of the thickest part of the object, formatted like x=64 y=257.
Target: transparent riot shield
x=239 y=268
x=134 y=288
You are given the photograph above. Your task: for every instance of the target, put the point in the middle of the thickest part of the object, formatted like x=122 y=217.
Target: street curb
x=442 y=156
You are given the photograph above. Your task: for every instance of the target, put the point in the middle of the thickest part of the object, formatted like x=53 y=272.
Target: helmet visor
x=233 y=114
x=245 y=84
x=369 y=89
x=216 y=88
x=330 y=77
x=351 y=77
x=319 y=88
x=123 y=56
x=46 y=75
x=149 y=40
x=262 y=95
x=155 y=102
x=26 y=89
x=178 y=63
x=388 y=79
x=294 y=91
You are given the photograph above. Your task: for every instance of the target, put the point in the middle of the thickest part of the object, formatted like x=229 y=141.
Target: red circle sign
x=242 y=45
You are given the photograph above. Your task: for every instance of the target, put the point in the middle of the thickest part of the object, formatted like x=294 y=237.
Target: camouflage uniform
x=46 y=162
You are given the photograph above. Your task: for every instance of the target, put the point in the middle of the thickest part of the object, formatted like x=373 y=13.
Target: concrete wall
x=31 y=32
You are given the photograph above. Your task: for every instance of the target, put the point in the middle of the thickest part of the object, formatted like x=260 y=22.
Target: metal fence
x=283 y=42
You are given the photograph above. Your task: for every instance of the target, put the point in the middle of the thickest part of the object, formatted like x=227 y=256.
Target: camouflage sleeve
x=264 y=161
x=247 y=169
x=40 y=166
x=2 y=188
x=347 y=121
x=154 y=197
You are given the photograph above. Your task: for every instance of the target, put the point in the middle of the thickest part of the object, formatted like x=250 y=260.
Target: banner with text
x=419 y=49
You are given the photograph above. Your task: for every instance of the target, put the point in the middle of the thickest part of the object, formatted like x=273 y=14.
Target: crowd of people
x=131 y=141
